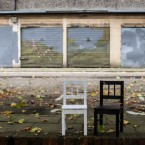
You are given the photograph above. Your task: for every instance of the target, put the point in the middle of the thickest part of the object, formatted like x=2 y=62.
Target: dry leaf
x=101 y=128
x=136 y=125
x=36 y=115
x=125 y=122
x=69 y=127
x=36 y=130
x=21 y=121
x=92 y=94
x=13 y=104
x=10 y=122
x=110 y=130
x=133 y=95
x=51 y=105
x=27 y=128
x=7 y=112
x=23 y=111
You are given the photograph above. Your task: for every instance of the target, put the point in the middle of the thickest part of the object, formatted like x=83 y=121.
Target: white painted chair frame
x=74 y=109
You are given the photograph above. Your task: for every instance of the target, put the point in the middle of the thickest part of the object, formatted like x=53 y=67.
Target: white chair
x=74 y=90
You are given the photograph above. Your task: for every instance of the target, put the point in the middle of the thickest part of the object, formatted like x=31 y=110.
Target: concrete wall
x=7 y=5
x=130 y=4
x=72 y=4
x=67 y=4
x=81 y=4
x=114 y=22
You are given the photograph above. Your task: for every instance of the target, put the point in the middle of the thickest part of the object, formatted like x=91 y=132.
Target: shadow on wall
x=8 y=47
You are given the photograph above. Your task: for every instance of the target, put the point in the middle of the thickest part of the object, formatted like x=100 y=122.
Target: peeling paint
x=133 y=51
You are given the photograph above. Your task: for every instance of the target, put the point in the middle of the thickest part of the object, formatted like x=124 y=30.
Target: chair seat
x=108 y=109
x=74 y=107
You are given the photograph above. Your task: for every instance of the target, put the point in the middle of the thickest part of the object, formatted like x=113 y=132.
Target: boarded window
x=88 y=47
x=41 y=47
x=8 y=47
x=133 y=47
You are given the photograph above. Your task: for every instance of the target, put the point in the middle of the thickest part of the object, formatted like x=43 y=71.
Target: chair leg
x=117 y=125
x=85 y=122
x=63 y=123
x=101 y=119
x=121 y=122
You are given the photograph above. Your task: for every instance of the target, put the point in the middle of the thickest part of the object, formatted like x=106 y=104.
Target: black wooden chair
x=110 y=90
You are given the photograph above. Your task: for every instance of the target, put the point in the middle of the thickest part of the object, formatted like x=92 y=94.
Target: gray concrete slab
x=136 y=120
x=5 y=118
x=140 y=129
x=5 y=127
x=32 y=118
x=49 y=128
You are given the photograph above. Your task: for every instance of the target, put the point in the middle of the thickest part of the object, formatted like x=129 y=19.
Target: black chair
x=110 y=90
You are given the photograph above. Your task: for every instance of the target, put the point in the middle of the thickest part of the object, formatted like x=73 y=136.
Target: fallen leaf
x=141 y=97
x=6 y=112
x=27 y=129
x=134 y=82
x=13 y=104
x=133 y=95
x=92 y=94
x=136 y=125
x=125 y=122
x=45 y=120
x=10 y=122
x=101 y=128
x=36 y=130
x=21 y=121
x=51 y=106
x=110 y=130
x=69 y=127
x=23 y=111
x=36 y=115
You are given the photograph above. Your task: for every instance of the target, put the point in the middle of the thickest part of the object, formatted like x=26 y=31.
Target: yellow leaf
x=110 y=130
x=133 y=95
x=36 y=129
x=131 y=85
x=136 y=125
x=101 y=128
x=21 y=121
x=13 y=104
x=37 y=115
x=93 y=94
x=23 y=111
x=125 y=122
x=7 y=112
x=10 y=122
x=69 y=127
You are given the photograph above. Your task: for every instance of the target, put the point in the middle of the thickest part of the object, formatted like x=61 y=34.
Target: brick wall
x=53 y=140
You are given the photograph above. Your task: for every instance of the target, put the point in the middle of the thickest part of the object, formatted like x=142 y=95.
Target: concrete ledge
x=69 y=72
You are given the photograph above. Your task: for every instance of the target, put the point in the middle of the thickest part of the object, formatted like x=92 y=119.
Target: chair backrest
x=75 y=90
x=112 y=90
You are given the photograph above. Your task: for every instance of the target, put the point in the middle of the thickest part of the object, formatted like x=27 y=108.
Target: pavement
x=39 y=90
x=46 y=125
